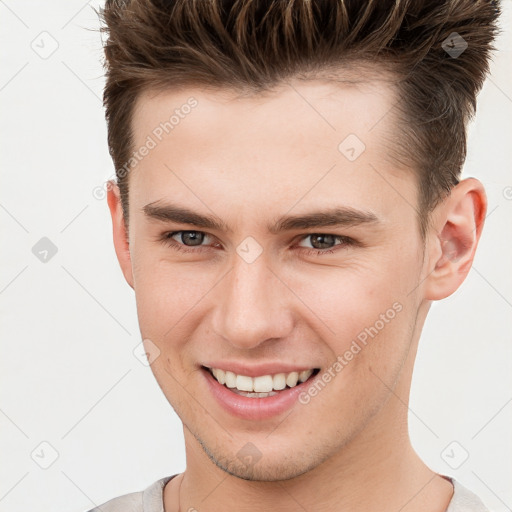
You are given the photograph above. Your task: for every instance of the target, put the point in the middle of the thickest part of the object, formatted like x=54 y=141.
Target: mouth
x=262 y=386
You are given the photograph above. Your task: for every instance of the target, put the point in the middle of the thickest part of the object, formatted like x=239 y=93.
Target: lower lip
x=255 y=408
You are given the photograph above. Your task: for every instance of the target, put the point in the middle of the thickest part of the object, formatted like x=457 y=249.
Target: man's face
x=262 y=301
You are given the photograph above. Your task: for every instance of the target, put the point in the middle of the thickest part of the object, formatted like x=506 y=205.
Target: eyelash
x=346 y=241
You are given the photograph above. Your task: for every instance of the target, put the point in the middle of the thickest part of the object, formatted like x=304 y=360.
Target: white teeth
x=230 y=380
x=244 y=383
x=261 y=386
x=220 y=376
x=291 y=379
x=304 y=375
x=279 y=381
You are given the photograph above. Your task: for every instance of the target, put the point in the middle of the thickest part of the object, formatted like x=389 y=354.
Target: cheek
x=349 y=298
x=168 y=301
x=166 y=293
x=364 y=313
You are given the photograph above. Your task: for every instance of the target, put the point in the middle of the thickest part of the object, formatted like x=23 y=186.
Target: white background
x=69 y=377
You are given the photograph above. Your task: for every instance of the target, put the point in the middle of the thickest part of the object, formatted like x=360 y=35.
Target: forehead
x=343 y=106
x=304 y=138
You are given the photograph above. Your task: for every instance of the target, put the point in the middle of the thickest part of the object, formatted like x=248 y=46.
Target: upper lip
x=255 y=370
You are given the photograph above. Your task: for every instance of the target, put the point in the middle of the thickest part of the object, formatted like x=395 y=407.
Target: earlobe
x=458 y=225
x=119 y=231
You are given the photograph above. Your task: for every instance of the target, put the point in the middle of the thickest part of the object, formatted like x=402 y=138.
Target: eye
x=189 y=238
x=324 y=243
x=182 y=240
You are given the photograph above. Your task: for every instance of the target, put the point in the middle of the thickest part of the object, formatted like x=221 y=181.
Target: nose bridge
x=251 y=305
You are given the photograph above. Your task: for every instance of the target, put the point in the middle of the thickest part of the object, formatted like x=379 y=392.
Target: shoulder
x=127 y=503
x=464 y=500
x=148 y=500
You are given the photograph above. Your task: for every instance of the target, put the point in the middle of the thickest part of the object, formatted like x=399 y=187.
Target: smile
x=261 y=386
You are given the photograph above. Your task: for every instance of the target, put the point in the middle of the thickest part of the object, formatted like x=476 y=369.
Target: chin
x=263 y=472
x=251 y=465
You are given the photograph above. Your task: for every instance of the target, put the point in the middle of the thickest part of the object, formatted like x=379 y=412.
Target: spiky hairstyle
x=255 y=45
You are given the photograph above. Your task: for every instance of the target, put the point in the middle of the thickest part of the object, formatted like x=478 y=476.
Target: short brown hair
x=255 y=45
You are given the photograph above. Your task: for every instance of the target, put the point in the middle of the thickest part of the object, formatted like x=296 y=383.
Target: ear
x=120 y=233
x=457 y=226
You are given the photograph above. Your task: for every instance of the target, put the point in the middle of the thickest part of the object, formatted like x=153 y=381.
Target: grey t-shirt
x=151 y=500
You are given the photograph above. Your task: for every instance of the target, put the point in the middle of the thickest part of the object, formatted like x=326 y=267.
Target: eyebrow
x=332 y=217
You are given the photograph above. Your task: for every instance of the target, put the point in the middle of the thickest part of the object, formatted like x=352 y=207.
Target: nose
x=253 y=305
